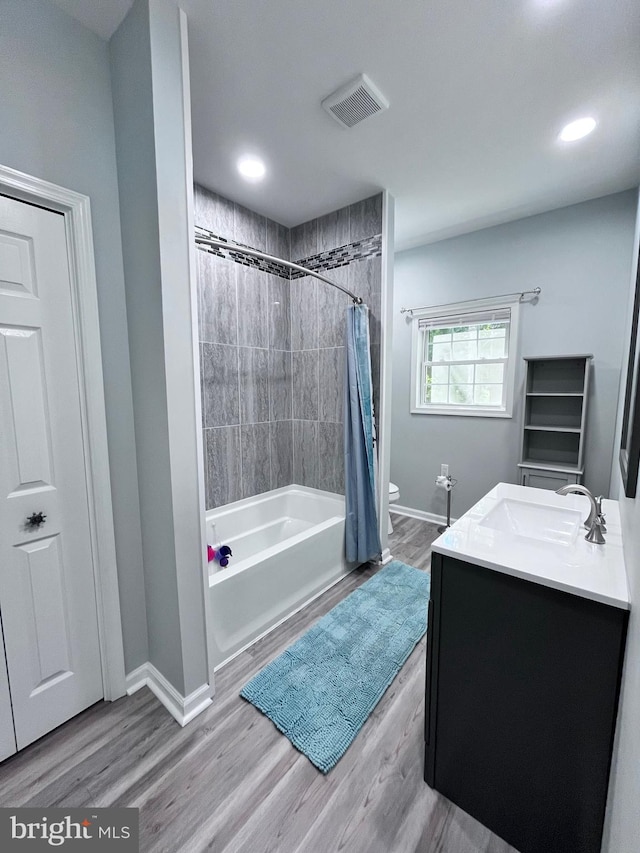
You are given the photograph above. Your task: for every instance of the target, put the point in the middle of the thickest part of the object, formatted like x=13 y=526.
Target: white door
x=47 y=595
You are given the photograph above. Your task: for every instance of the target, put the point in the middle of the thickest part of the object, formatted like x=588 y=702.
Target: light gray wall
x=622 y=825
x=57 y=124
x=579 y=256
x=130 y=51
x=149 y=120
x=174 y=180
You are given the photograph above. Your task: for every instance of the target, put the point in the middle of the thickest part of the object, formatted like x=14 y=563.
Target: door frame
x=76 y=209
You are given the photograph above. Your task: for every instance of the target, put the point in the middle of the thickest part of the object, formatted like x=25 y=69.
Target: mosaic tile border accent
x=370 y=247
x=245 y=260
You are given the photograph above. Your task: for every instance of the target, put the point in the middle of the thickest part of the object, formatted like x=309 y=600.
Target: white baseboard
x=182 y=708
x=136 y=679
x=420 y=513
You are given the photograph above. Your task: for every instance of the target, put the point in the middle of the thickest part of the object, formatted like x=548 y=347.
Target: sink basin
x=539 y=536
x=531 y=520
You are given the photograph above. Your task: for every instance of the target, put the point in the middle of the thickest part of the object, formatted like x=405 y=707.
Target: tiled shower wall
x=341 y=244
x=272 y=347
x=245 y=357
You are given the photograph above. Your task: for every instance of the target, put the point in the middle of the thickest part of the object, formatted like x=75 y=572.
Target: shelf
x=557 y=413
x=550 y=466
x=558 y=376
x=573 y=357
x=554 y=394
x=552 y=428
x=552 y=446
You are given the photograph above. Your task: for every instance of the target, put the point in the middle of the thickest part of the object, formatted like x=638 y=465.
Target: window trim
x=454 y=309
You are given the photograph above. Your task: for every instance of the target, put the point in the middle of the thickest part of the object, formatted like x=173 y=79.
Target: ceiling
x=478 y=93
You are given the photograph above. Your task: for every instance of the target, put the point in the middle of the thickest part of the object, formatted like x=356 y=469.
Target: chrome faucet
x=595 y=521
x=601 y=516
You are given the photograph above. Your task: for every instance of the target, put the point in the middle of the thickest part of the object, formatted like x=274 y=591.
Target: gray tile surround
x=272 y=348
x=304 y=313
x=214 y=212
x=333 y=230
x=365 y=280
x=217 y=301
x=330 y=457
x=305 y=453
x=253 y=307
x=347 y=225
x=332 y=305
x=222 y=474
x=279 y=295
x=249 y=228
x=280 y=386
x=365 y=218
x=304 y=368
x=278 y=240
x=304 y=240
x=220 y=380
x=255 y=441
x=253 y=368
x=331 y=384
x=281 y=454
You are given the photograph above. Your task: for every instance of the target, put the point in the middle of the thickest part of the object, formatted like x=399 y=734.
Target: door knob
x=36 y=519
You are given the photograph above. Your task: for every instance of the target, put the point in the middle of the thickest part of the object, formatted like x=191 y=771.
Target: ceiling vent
x=353 y=103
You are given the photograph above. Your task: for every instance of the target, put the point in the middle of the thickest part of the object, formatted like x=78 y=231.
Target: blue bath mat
x=320 y=691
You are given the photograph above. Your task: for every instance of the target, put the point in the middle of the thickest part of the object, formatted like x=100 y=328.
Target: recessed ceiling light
x=251 y=168
x=577 y=129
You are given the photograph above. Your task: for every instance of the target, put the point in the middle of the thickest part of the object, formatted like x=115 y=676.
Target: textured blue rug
x=320 y=691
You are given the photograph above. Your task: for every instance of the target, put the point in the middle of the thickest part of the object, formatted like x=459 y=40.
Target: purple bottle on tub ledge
x=220 y=555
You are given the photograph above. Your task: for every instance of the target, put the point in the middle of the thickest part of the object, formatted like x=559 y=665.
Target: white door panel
x=47 y=595
x=21 y=366
x=45 y=619
x=17 y=265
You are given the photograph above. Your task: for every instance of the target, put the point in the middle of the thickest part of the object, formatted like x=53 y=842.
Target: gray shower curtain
x=362 y=537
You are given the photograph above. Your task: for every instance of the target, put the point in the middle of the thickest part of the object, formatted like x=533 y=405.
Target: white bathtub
x=288 y=547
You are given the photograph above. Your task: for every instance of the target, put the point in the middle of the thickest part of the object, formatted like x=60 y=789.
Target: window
x=464 y=361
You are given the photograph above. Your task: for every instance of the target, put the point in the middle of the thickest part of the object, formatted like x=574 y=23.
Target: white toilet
x=394 y=495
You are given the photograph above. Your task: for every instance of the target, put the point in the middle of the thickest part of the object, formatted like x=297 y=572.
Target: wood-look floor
x=231 y=783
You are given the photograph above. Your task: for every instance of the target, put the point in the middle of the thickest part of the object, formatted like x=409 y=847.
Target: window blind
x=474 y=318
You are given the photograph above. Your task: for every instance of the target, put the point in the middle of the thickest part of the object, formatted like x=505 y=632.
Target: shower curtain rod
x=254 y=253
x=521 y=293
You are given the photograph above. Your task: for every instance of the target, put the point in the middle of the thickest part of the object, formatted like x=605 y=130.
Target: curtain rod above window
x=521 y=293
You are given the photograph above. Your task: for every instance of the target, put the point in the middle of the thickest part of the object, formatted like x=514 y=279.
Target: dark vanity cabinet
x=521 y=698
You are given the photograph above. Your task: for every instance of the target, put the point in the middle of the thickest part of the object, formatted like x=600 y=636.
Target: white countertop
x=572 y=565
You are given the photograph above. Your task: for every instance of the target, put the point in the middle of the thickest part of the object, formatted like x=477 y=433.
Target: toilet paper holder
x=447 y=482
